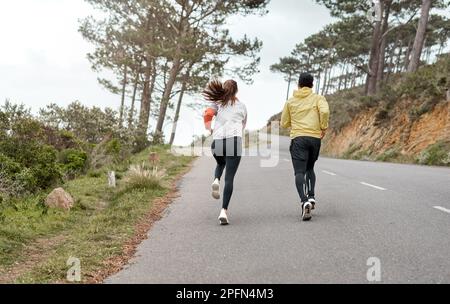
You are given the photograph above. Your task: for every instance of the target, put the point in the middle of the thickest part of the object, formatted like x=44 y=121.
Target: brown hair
x=222 y=94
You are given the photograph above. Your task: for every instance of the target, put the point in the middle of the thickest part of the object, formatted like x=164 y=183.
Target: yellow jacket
x=306 y=114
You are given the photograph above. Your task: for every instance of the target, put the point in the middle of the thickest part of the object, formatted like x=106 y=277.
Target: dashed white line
x=329 y=173
x=442 y=209
x=373 y=186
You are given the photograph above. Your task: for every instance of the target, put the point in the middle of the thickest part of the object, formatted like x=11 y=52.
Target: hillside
x=409 y=121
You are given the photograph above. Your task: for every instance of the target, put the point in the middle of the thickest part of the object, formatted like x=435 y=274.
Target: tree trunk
x=341 y=77
x=441 y=47
x=133 y=98
x=391 y=60
x=371 y=85
x=346 y=77
x=340 y=82
x=289 y=87
x=177 y=113
x=122 y=102
x=330 y=80
x=382 y=60
x=428 y=52
x=167 y=92
x=381 y=64
x=149 y=84
x=324 y=86
x=420 y=36
x=318 y=83
x=407 y=56
x=354 y=78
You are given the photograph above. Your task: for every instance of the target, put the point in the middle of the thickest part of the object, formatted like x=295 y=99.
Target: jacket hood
x=303 y=92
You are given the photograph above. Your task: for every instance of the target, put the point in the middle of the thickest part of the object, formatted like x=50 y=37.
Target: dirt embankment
x=397 y=135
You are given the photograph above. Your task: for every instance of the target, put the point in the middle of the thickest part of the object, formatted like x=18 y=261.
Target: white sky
x=43 y=57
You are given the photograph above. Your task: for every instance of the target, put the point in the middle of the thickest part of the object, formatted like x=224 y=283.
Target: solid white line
x=442 y=209
x=329 y=173
x=373 y=186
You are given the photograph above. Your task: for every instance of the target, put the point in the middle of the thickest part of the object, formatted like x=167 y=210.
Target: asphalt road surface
x=397 y=214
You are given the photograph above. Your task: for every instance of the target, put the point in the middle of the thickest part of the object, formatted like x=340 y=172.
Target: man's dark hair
x=306 y=80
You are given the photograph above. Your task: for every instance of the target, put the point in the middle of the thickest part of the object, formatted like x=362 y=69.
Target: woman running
x=231 y=118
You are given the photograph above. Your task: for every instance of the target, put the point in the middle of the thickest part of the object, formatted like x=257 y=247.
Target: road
x=398 y=214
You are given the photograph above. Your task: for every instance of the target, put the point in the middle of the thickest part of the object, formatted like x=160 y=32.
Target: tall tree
x=289 y=66
x=204 y=20
x=420 y=36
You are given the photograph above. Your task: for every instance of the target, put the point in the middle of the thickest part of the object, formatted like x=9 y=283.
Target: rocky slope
x=400 y=137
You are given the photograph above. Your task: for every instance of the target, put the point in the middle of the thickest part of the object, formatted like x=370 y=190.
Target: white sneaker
x=216 y=189
x=223 y=218
x=306 y=211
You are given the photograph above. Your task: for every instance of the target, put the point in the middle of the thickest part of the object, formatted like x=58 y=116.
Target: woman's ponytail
x=220 y=93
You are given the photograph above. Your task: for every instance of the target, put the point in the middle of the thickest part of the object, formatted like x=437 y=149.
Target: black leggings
x=305 y=152
x=227 y=153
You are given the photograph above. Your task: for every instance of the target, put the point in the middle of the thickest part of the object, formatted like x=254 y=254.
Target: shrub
x=44 y=167
x=428 y=85
x=140 y=143
x=435 y=155
x=389 y=155
x=9 y=188
x=140 y=177
x=27 y=180
x=110 y=151
x=8 y=166
x=15 y=180
x=89 y=124
x=157 y=138
x=344 y=106
x=30 y=164
x=422 y=84
x=427 y=106
x=74 y=161
x=349 y=154
x=113 y=147
x=381 y=116
x=368 y=101
x=95 y=173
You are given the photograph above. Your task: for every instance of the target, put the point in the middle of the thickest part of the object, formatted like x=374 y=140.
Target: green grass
x=351 y=151
x=435 y=155
x=389 y=155
x=102 y=221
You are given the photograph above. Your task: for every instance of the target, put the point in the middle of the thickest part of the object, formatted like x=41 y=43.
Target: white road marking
x=329 y=173
x=442 y=209
x=373 y=186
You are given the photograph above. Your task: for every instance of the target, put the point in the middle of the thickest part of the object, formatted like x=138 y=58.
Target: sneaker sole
x=216 y=191
x=307 y=214
x=223 y=221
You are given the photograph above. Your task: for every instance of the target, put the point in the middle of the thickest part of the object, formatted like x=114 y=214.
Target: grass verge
x=101 y=231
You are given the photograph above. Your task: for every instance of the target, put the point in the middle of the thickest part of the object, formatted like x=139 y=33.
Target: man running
x=307 y=115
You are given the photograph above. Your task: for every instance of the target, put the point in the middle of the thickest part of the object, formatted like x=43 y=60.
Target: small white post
x=448 y=95
x=112 y=179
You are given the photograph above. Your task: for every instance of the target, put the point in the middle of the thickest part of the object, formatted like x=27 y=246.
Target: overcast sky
x=43 y=57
